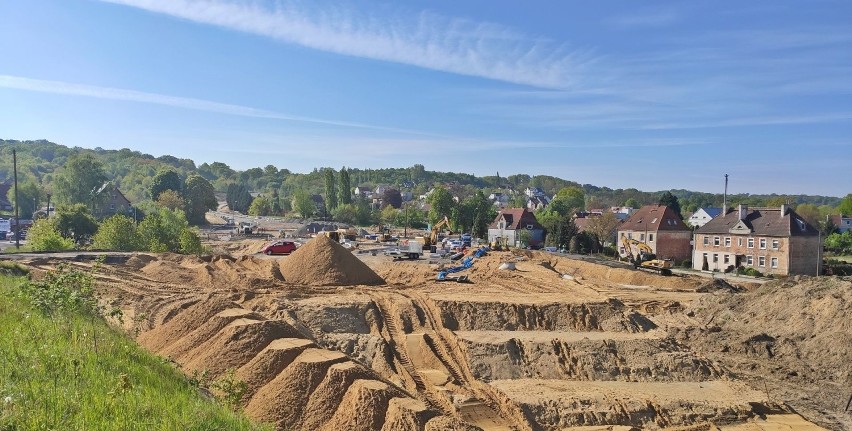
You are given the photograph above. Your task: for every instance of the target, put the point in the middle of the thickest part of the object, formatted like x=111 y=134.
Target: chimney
x=743 y=211
x=783 y=210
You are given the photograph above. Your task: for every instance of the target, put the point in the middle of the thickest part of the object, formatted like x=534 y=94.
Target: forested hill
x=133 y=171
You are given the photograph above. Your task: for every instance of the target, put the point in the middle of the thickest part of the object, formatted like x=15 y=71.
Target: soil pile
x=718 y=284
x=795 y=333
x=323 y=262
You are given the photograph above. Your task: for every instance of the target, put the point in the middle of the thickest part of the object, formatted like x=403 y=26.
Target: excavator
x=640 y=255
x=432 y=239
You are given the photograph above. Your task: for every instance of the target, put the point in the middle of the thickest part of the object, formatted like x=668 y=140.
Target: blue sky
x=651 y=95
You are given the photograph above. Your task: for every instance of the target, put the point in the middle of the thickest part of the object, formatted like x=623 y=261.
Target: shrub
x=117 y=233
x=44 y=236
x=62 y=289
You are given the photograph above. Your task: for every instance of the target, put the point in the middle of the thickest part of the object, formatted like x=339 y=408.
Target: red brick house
x=660 y=228
x=770 y=240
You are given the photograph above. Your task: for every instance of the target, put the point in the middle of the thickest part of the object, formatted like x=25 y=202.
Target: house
x=509 y=224
x=363 y=191
x=659 y=227
x=770 y=240
x=842 y=222
x=114 y=202
x=534 y=192
x=702 y=216
x=537 y=202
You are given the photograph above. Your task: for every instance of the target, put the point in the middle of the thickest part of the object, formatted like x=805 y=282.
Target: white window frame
x=715 y=257
x=750 y=243
x=776 y=244
x=706 y=240
x=727 y=241
x=749 y=260
x=727 y=259
x=716 y=241
x=773 y=262
x=761 y=261
x=762 y=243
x=650 y=237
x=641 y=237
x=739 y=242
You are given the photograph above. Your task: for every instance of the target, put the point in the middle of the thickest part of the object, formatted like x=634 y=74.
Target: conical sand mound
x=323 y=262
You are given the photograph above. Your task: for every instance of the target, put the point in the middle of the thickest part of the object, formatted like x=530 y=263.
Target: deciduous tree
x=117 y=233
x=344 y=189
x=303 y=204
x=603 y=227
x=165 y=179
x=199 y=197
x=670 y=200
x=75 y=222
x=170 y=199
x=80 y=179
x=330 y=190
x=442 y=204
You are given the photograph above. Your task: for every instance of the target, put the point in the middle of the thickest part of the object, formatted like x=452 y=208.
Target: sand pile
x=796 y=334
x=323 y=262
x=718 y=284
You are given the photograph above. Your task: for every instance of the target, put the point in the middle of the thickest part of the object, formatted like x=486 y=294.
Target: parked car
x=279 y=247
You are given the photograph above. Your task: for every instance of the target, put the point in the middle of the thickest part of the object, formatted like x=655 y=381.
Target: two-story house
x=509 y=224
x=702 y=215
x=842 y=222
x=771 y=240
x=659 y=227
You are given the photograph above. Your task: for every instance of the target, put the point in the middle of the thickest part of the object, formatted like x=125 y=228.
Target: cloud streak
x=83 y=90
x=428 y=41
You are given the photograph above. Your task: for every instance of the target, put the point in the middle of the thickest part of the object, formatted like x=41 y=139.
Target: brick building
x=661 y=229
x=771 y=240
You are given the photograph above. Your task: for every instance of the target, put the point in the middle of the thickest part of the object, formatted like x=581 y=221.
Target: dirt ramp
x=406 y=414
x=273 y=359
x=330 y=393
x=183 y=323
x=363 y=408
x=284 y=399
x=236 y=344
x=324 y=262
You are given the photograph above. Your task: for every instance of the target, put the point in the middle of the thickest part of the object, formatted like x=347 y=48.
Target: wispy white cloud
x=428 y=40
x=73 y=89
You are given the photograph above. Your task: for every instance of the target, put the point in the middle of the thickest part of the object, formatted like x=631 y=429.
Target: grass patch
x=63 y=368
x=847 y=259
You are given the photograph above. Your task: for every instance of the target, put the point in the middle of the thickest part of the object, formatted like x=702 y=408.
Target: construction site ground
x=330 y=338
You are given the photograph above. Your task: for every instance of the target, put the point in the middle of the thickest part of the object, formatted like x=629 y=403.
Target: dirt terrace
x=556 y=344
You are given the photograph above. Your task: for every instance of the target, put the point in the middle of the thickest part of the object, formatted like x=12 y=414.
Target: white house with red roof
x=509 y=224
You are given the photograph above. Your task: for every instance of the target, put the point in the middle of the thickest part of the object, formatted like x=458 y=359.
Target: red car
x=279 y=247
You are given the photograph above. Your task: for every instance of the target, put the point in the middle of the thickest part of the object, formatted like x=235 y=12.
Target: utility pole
x=725 y=197
x=17 y=202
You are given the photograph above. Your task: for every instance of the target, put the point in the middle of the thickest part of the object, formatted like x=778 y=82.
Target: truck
x=412 y=250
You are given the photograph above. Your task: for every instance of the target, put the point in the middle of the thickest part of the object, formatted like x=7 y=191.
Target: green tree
x=189 y=242
x=260 y=206
x=330 y=190
x=442 y=204
x=170 y=199
x=845 y=206
x=80 y=179
x=344 y=189
x=117 y=233
x=346 y=213
x=389 y=215
x=29 y=196
x=524 y=236
x=75 y=222
x=303 y=204
x=670 y=200
x=199 y=197
x=163 y=231
x=44 y=236
x=166 y=179
x=568 y=200
x=810 y=213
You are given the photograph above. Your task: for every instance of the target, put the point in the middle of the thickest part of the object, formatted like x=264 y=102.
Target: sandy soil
x=331 y=339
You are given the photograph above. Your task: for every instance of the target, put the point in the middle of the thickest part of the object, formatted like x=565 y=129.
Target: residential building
x=842 y=222
x=537 y=202
x=511 y=222
x=701 y=216
x=770 y=240
x=114 y=202
x=660 y=228
x=534 y=192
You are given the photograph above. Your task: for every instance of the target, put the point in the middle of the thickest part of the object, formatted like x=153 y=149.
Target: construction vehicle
x=432 y=239
x=351 y=233
x=500 y=244
x=411 y=250
x=333 y=234
x=642 y=256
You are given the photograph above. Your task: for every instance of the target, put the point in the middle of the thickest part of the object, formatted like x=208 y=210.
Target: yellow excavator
x=432 y=239
x=640 y=255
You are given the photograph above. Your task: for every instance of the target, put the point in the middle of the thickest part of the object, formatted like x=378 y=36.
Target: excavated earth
x=329 y=340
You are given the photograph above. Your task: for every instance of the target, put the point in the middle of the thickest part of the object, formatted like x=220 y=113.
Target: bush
x=686 y=264
x=62 y=289
x=117 y=233
x=44 y=236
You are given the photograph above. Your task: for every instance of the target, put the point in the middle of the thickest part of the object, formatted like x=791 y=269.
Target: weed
x=232 y=390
